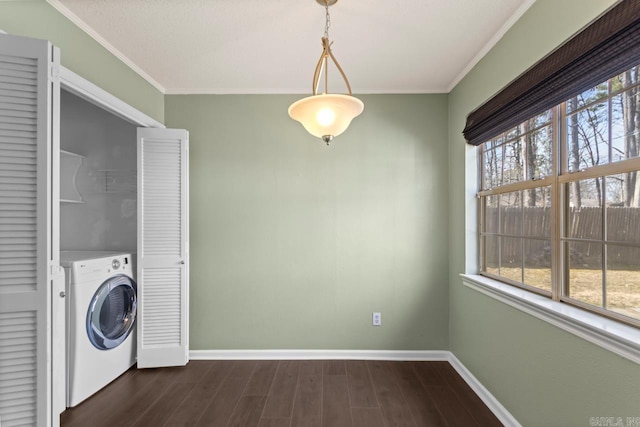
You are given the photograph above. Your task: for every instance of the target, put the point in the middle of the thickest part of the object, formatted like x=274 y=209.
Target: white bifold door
x=163 y=249
x=29 y=269
x=32 y=298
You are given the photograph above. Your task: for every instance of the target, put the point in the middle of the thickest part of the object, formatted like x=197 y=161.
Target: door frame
x=81 y=87
x=92 y=93
x=88 y=91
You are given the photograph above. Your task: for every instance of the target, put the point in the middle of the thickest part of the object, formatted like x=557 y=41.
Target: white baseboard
x=317 y=355
x=492 y=403
x=489 y=399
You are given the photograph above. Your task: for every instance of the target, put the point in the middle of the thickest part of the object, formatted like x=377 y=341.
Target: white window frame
x=606 y=330
x=548 y=181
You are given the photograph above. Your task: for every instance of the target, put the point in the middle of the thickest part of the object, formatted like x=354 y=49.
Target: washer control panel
x=93 y=269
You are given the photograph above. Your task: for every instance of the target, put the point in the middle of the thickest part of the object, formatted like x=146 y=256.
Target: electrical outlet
x=377 y=319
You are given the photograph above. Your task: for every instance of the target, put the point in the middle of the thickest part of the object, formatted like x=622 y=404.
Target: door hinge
x=54 y=71
x=56 y=271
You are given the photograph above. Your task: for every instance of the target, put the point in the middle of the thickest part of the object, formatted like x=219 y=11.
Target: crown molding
x=67 y=13
x=491 y=43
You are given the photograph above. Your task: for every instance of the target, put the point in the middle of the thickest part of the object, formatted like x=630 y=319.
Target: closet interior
x=97 y=178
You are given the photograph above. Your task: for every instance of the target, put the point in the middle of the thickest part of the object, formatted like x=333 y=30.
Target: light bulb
x=325 y=117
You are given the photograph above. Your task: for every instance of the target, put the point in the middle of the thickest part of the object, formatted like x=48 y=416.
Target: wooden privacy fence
x=623 y=225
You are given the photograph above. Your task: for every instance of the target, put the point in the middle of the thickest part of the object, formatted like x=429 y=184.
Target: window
x=560 y=201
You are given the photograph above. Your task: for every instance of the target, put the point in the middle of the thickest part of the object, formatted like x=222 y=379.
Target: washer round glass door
x=112 y=312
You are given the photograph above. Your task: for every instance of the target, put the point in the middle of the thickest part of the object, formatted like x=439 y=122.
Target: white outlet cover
x=377 y=319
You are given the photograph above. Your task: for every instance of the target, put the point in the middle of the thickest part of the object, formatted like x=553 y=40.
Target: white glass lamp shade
x=326 y=114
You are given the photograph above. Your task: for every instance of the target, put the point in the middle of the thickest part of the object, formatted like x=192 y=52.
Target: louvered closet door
x=163 y=258
x=27 y=94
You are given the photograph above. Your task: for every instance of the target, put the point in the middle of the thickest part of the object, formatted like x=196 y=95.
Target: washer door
x=112 y=312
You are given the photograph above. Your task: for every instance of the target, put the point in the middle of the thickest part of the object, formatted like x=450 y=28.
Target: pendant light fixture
x=326 y=115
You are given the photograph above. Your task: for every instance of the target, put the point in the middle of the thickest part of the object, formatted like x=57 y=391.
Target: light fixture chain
x=327 y=22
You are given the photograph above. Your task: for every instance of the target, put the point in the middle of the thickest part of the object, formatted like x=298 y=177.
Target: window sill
x=617 y=337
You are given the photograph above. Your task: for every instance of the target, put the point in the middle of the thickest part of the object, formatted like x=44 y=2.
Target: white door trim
x=88 y=91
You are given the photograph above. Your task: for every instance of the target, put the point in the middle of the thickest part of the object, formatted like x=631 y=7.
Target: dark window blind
x=604 y=49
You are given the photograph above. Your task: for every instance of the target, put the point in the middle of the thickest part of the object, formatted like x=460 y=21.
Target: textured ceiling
x=271 y=46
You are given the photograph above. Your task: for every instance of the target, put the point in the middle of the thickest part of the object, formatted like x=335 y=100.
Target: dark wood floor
x=286 y=393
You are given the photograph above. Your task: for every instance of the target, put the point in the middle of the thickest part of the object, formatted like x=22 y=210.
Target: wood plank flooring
x=331 y=393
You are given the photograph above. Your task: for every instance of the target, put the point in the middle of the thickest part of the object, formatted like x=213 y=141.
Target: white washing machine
x=101 y=313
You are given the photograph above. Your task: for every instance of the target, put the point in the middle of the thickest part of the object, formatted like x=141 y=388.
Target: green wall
x=294 y=244
x=80 y=53
x=541 y=374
